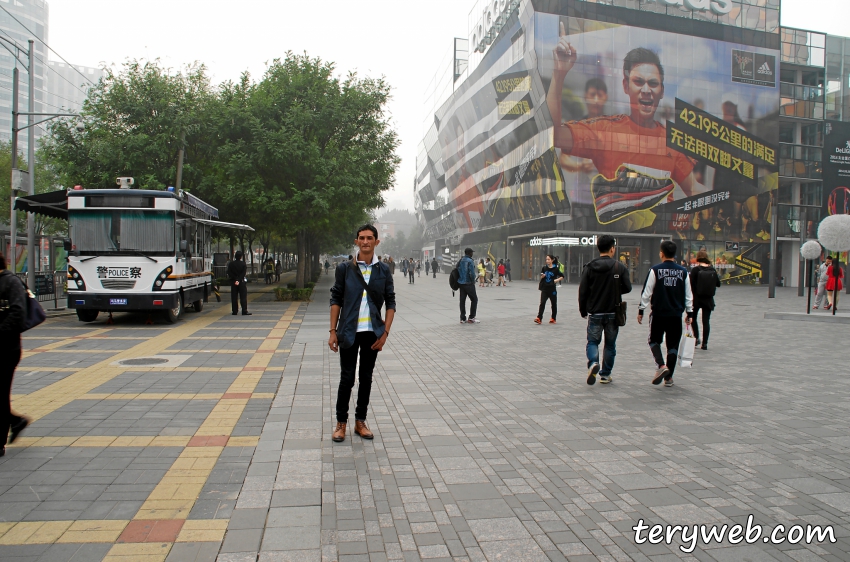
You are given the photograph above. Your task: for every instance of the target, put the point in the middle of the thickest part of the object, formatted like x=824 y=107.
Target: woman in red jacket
x=835 y=275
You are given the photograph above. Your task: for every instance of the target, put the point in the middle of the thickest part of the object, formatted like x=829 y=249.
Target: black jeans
x=239 y=293
x=706 y=327
x=468 y=290
x=10 y=356
x=552 y=297
x=411 y=272
x=348 y=363
x=661 y=328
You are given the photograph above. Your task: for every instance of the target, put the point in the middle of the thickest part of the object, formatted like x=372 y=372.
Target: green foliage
x=282 y=294
x=134 y=120
x=301 y=154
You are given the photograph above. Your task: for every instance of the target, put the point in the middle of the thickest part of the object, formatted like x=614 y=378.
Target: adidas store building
x=666 y=119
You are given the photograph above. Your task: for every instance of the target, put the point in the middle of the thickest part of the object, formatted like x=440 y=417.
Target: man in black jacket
x=13 y=307
x=236 y=272
x=362 y=286
x=597 y=301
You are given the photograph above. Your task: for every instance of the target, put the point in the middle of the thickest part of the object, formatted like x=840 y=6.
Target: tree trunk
x=232 y=245
x=301 y=240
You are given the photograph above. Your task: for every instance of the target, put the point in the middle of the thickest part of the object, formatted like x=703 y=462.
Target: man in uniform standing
x=236 y=272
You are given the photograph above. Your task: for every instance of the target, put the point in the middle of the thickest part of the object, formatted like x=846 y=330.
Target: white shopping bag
x=687 y=345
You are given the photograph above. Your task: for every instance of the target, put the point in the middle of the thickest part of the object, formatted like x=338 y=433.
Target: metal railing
x=50 y=286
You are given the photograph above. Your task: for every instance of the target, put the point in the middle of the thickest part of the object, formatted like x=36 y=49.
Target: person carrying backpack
x=13 y=310
x=466 y=286
x=704 y=283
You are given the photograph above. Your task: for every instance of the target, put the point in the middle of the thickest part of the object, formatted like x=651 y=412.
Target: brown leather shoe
x=339 y=434
x=361 y=430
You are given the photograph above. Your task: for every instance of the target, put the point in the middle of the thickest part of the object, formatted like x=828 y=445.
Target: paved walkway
x=489 y=445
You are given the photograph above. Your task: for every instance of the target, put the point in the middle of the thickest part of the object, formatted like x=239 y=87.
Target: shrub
x=281 y=294
x=301 y=294
x=311 y=285
x=290 y=285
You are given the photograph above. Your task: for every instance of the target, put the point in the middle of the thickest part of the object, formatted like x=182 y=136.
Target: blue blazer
x=347 y=292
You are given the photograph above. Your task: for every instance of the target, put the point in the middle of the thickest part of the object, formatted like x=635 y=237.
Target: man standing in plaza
x=466 y=280
x=668 y=291
x=434 y=267
x=603 y=281
x=362 y=286
x=236 y=272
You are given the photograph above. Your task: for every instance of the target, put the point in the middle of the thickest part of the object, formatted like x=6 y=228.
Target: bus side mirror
x=66 y=244
x=184 y=246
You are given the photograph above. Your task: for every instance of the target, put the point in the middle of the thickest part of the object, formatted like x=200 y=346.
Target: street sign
x=43 y=284
x=733 y=246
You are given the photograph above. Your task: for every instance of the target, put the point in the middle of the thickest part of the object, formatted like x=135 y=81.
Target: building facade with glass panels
x=646 y=120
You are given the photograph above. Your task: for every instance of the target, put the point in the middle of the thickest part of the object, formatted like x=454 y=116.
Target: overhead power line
x=48 y=69
x=45 y=44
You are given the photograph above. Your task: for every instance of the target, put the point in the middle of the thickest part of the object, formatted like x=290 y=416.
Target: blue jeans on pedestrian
x=597 y=324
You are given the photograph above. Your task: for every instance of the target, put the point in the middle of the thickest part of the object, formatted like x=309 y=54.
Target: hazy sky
x=402 y=40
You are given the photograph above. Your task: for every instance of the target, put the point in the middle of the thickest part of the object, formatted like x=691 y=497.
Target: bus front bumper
x=122 y=301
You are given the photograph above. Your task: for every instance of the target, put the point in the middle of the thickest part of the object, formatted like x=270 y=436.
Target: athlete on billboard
x=637 y=170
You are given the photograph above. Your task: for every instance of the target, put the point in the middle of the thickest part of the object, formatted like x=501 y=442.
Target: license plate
x=118 y=302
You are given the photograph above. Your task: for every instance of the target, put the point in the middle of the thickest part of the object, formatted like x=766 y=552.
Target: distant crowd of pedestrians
x=674 y=298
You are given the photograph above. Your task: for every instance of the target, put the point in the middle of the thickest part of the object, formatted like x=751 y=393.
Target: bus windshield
x=122 y=232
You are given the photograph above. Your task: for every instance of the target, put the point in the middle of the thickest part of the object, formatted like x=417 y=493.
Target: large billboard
x=836 y=168
x=620 y=128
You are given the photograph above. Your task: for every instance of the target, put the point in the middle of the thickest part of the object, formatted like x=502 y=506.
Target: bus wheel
x=86 y=315
x=174 y=314
x=198 y=305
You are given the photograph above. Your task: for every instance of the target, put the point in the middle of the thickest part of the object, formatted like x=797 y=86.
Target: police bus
x=139 y=250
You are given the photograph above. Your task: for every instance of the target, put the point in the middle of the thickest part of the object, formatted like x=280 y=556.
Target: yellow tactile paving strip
x=173 y=498
x=124 y=441
x=102 y=531
x=64 y=341
x=175 y=495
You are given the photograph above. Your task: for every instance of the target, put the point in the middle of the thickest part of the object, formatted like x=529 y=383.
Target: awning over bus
x=220 y=224
x=51 y=204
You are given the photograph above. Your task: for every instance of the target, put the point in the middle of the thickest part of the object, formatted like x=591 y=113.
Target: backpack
x=454 y=278
x=707 y=282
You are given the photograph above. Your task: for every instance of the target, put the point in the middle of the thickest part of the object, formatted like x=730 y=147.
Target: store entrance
x=577 y=258
x=630 y=257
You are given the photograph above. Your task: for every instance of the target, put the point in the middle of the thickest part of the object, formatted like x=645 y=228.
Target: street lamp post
x=18 y=175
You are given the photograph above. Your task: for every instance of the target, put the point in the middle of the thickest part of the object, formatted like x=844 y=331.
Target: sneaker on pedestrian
x=473 y=321
x=660 y=374
x=699 y=341
x=592 y=371
x=605 y=379
x=704 y=347
x=463 y=321
x=668 y=382
x=815 y=307
x=552 y=321
x=537 y=321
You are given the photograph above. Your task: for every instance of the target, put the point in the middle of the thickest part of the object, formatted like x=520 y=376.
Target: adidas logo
x=765 y=69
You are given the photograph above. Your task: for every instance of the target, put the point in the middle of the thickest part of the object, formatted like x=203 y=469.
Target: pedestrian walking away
x=489 y=270
x=500 y=269
x=236 y=271
x=269 y=272
x=667 y=291
x=362 y=286
x=466 y=282
x=327 y=266
x=835 y=274
x=427 y=267
x=411 y=270
x=603 y=282
x=419 y=268
x=549 y=277
x=823 y=277
x=482 y=273
x=13 y=310
x=434 y=267
x=508 y=270
x=704 y=284
x=278 y=269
